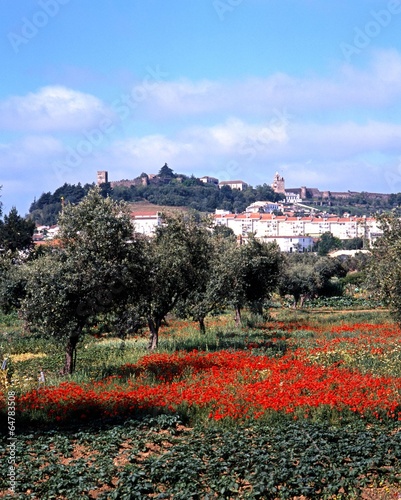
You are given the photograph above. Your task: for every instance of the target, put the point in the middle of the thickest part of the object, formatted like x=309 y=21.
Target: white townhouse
x=292 y=234
x=269 y=225
x=209 y=180
x=146 y=222
x=291 y=244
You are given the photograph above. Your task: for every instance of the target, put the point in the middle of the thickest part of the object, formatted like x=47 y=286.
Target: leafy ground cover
x=344 y=302
x=304 y=405
x=159 y=457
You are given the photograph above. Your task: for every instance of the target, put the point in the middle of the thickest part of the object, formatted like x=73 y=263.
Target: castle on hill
x=304 y=193
x=142 y=180
x=292 y=195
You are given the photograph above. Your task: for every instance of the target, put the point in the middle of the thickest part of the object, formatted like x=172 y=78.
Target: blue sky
x=228 y=88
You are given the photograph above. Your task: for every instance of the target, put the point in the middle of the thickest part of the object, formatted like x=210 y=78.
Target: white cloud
x=52 y=108
x=185 y=96
x=319 y=154
x=338 y=129
x=200 y=146
x=338 y=141
x=148 y=151
x=25 y=170
x=348 y=88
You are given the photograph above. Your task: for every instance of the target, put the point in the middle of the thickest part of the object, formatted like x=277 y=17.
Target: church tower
x=278 y=184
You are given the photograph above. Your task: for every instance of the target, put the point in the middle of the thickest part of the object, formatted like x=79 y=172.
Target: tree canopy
x=384 y=273
x=96 y=268
x=167 y=188
x=16 y=232
x=307 y=275
x=252 y=273
x=166 y=172
x=177 y=261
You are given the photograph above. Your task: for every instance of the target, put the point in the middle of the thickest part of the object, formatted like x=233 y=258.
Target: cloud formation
x=51 y=109
x=349 y=88
x=314 y=130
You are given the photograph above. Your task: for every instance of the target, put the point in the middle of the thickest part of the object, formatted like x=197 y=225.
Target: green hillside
x=175 y=191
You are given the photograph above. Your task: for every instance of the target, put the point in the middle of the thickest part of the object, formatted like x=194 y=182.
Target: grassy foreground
x=304 y=405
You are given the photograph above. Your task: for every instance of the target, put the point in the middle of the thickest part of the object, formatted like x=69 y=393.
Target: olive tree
x=306 y=275
x=251 y=273
x=176 y=264
x=384 y=271
x=210 y=292
x=95 y=268
x=12 y=283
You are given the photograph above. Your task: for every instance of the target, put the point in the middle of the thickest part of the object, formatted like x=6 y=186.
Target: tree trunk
x=70 y=355
x=202 y=327
x=237 y=316
x=154 y=333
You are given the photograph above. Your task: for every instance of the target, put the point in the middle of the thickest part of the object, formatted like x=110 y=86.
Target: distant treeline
x=45 y=210
x=193 y=193
x=170 y=189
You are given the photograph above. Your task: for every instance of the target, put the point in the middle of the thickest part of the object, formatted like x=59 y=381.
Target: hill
x=175 y=190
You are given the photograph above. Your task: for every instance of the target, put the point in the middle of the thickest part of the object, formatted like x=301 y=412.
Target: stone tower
x=102 y=177
x=278 y=184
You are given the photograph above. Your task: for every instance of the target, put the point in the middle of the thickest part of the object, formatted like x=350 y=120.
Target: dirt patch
x=384 y=493
x=79 y=451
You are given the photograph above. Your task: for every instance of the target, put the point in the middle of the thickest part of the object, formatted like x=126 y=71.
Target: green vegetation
x=180 y=453
x=307 y=276
x=358 y=204
x=160 y=457
x=264 y=400
x=46 y=209
x=98 y=269
x=384 y=273
x=166 y=188
x=15 y=232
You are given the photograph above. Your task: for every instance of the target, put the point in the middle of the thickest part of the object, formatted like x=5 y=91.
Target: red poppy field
x=329 y=371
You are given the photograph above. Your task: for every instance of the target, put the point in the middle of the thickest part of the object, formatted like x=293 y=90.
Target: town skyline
x=299 y=191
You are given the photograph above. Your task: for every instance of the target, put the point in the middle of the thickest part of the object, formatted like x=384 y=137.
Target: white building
x=269 y=225
x=262 y=206
x=292 y=243
x=241 y=185
x=146 y=222
x=209 y=180
x=292 y=234
x=45 y=232
x=292 y=197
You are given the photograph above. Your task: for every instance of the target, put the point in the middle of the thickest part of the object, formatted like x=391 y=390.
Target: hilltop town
x=311 y=195
x=295 y=218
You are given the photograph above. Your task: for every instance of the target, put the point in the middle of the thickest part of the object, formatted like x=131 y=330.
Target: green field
x=305 y=404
